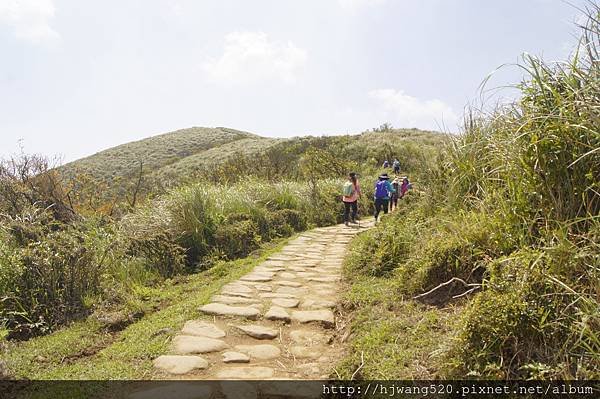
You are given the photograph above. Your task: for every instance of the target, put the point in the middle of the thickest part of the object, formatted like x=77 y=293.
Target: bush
x=237 y=239
x=159 y=253
x=56 y=275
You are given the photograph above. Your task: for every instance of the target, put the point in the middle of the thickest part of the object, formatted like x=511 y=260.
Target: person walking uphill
x=396 y=166
x=351 y=193
x=383 y=190
x=395 y=194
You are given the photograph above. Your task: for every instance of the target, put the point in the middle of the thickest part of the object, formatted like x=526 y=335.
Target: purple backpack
x=381 y=190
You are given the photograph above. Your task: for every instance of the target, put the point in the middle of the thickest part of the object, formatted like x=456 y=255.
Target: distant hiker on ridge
x=383 y=189
x=351 y=194
x=396 y=166
x=386 y=164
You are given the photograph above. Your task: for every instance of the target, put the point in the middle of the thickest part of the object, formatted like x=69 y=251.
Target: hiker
x=386 y=164
x=396 y=166
x=383 y=189
x=395 y=194
x=351 y=193
x=405 y=186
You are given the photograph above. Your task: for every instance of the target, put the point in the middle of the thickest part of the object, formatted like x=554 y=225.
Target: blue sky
x=77 y=77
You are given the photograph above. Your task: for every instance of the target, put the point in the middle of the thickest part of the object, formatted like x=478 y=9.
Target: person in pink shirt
x=404 y=187
x=350 y=198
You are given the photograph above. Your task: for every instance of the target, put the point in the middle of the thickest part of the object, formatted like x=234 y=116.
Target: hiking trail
x=277 y=322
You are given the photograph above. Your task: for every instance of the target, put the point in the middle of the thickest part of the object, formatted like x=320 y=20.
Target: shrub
x=57 y=273
x=237 y=239
x=160 y=253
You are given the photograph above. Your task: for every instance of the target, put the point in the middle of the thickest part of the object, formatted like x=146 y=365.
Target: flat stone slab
x=280 y=258
x=297 y=269
x=270 y=269
x=287 y=283
x=327 y=279
x=287 y=275
x=324 y=317
x=303 y=352
x=263 y=287
x=245 y=373
x=277 y=313
x=237 y=287
x=232 y=300
x=226 y=310
x=258 y=332
x=262 y=352
x=202 y=329
x=186 y=344
x=257 y=277
x=305 y=337
x=272 y=263
x=276 y=295
x=317 y=304
x=179 y=364
x=230 y=292
x=235 y=357
x=306 y=274
x=291 y=290
x=285 y=302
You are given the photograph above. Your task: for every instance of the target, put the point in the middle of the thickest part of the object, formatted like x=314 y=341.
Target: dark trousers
x=347 y=207
x=393 y=202
x=381 y=204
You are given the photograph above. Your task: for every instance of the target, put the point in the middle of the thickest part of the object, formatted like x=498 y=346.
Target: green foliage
x=160 y=254
x=513 y=205
x=233 y=219
x=54 y=277
x=236 y=240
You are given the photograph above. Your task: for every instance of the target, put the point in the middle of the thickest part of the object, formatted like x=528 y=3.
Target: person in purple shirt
x=383 y=190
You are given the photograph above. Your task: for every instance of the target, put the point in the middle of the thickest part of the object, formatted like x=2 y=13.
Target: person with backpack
x=396 y=166
x=383 y=190
x=394 y=198
x=386 y=164
x=350 y=195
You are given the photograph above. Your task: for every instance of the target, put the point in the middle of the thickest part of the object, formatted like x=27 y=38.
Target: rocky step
x=187 y=344
x=179 y=364
x=220 y=309
x=258 y=332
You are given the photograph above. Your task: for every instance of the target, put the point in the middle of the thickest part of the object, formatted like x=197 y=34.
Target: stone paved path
x=277 y=322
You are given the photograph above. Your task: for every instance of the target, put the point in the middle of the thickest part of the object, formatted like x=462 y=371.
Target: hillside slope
x=159 y=151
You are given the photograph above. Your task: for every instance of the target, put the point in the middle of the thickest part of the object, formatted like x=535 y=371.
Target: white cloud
x=403 y=110
x=354 y=5
x=29 y=19
x=250 y=57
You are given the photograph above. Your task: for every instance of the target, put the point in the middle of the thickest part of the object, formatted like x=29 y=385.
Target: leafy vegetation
x=505 y=236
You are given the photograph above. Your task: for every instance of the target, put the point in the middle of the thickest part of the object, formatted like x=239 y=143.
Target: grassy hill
x=196 y=145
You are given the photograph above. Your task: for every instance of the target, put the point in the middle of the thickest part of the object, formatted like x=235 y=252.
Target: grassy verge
x=390 y=335
x=85 y=351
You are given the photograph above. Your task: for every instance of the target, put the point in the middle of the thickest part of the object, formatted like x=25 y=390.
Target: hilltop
x=169 y=151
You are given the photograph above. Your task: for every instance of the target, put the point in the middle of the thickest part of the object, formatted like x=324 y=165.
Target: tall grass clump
x=229 y=220
x=535 y=165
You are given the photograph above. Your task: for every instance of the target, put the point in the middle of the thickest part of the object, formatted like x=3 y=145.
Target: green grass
x=392 y=338
x=126 y=354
